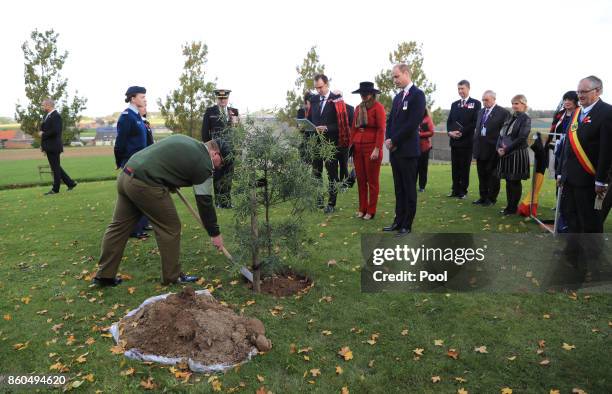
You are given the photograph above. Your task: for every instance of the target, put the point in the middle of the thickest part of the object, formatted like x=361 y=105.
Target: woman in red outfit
x=426 y=131
x=367 y=136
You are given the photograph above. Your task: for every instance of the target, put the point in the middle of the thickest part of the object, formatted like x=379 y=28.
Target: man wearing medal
x=586 y=160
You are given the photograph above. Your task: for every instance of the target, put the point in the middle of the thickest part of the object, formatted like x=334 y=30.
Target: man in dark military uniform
x=217 y=124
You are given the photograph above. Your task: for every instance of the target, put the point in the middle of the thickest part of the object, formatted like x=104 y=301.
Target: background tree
x=270 y=174
x=43 y=64
x=411 y=53
x=184 y=107
x=304 y=82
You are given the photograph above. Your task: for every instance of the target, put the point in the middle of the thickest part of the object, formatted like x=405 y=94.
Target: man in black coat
x=216 y=124
x=460 y=128
x=51 y=143
x=323 y=115
x=488 y=125
x=402 y=140
x=584 y=176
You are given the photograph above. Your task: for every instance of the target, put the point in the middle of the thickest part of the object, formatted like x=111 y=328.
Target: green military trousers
x=134 y=199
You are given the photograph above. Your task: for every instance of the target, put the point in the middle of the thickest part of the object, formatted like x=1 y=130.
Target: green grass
x=48 y=243
x=17 y=173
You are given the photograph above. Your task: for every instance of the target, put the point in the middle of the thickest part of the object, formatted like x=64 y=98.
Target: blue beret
x=133 y=90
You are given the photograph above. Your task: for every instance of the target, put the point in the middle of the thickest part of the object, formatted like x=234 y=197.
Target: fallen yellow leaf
x=481 y=349
x=261 y=378
x=344 y=390
x=404 y=332
x=339 y=370
x=452 y=353
x=148 y=384
x=506 y=390
x=315 y=372
x=7 y=317
x=346 y=353
x=435 y=379
x=131 y=290
x=545 y=362
x=462 y=391
x=418 y=351
x=82 y=359
x=128 y=372
x=438 y=342
x=326 y=332
x=567 y=346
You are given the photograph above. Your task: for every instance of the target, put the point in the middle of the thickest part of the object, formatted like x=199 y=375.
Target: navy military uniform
x=131 y=131
x=217 y=125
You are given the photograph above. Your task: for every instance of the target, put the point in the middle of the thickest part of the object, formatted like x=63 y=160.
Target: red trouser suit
x=364 y=140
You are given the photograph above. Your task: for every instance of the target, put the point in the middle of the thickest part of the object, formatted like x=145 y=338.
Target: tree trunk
x=255 y=244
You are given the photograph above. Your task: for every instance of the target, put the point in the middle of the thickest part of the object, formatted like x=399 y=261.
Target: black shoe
x=392 y=227
x=73 y=186
x=50 y=192
x=461 y=196
x=507 y=212
x=480 y=201
x=402 y=231
x=187 y=278
x=329 y=209
x=452 y=194
x=142 y=235
x=421 y=190
x=106 y=282
x=487 y=203
x=148 y=227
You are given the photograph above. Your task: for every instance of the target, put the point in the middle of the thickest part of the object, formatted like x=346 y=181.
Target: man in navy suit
x=323 y=115
x=402 y=140
x=460 y=127
x=51 y=143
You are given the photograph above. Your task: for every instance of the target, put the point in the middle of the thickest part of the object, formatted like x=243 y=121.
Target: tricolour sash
x=583 y=159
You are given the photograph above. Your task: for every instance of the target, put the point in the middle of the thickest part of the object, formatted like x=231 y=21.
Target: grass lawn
x=25 y=172
x=50 y=243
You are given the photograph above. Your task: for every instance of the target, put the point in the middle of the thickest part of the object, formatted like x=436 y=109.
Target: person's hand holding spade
x=217 y=242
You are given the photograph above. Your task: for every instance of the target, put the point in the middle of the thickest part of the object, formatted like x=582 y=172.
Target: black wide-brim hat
x=366 y=87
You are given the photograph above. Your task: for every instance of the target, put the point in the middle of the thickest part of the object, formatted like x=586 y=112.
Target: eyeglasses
x=586 y=91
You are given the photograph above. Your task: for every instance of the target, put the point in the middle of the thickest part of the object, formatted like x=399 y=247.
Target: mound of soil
x=285 y=284
x=186 y=325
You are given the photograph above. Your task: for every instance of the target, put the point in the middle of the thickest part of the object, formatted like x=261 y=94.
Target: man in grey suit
x=488 y=124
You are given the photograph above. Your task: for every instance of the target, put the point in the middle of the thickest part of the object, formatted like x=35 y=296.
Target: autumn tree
x=184 y=107
x=43 y=63
x=304 y=82
x=410 y=53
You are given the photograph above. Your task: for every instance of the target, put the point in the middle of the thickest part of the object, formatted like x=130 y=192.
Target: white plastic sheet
x=195 y=366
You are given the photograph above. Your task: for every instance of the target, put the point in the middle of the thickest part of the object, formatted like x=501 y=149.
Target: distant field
x=25 y=172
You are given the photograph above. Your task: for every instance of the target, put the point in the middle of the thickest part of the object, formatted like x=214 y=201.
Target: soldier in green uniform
x=217 y=124
x=144 y=187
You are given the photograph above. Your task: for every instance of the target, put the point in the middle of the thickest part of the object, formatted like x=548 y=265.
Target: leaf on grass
x=250 y=302
x=418 y=351
x=117 y=349
x=567 y=346
x=545 y=362
x=462 y=391
x=541 y=344
x=554 y=391
x=339 y=370
x=326 y=333
x=305 y=350
x=89 y=377
x=90 y=341
x=128 y=372
x=481 y=349
x=404 y=332
x=326 y=299
x=70 y=340
x=371 y=364
x=453 y=353
x=435 y=379
x=261 y=378
x=82 y=359
x=546 y=316
x=438 y=342
x=511 y=358
x=576 y=390
x=148 y=384
x=131 y=290
x=344 y=390
x=346 y=353
x=7 y=317
x=26 y=300
x=506 y=390
x=21 y=346
x=315 y=372
x=460 y=379
x=331 y=262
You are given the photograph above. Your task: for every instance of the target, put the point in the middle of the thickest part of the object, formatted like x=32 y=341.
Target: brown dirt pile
x=186 y=325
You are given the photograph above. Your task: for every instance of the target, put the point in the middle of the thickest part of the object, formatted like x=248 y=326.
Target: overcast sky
x=538 y=48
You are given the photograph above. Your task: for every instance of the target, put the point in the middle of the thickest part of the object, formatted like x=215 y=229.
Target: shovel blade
x=247 y=274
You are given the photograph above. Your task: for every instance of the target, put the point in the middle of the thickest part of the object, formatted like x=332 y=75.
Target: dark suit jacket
x=328 y=118
x=596 y=140
x=518 y=133
x=213 y=123
x=404 y=121
x=467 y=117
x=484 y=146
x=51 y=140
